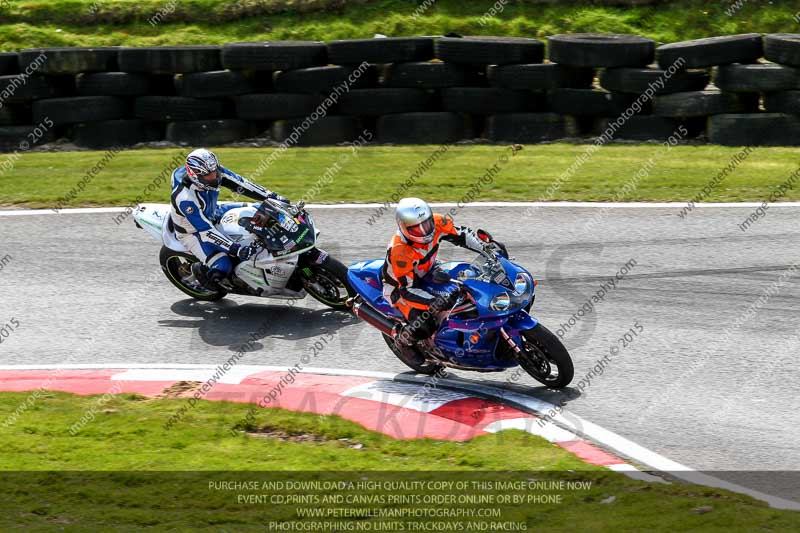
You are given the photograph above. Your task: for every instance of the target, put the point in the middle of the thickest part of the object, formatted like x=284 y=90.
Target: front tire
x=177 y=266
x=545 y=358
x=327 y=283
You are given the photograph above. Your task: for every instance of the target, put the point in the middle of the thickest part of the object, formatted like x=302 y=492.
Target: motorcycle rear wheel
x=541 y=350
x=177 y=266
x=428 y=368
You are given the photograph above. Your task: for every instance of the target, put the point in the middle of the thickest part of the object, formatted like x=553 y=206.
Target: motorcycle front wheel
x=327 y=283
x=545 y=358
x=177 y=266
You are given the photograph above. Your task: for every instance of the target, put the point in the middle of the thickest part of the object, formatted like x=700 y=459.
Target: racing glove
x=276 y=196
x=471 y=239
x=242 y=252
x=485 y=236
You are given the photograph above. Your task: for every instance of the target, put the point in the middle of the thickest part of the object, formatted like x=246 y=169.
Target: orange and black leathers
x=407 y=263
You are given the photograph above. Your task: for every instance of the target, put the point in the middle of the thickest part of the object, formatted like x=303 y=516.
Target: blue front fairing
x=468 y=342
x=473 y=342
x=482 y=292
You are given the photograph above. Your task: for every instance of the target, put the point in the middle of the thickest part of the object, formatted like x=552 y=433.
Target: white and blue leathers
x=195 y=213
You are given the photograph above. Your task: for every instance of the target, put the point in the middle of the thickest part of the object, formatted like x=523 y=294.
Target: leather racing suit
x=195 y=213
x=407 y=263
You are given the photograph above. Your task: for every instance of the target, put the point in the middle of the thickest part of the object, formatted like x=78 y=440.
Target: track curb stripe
x=386 y=405
x=498 y=399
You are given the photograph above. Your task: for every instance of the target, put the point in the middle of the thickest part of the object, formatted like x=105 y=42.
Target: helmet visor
x=423 y=229
x=209 y=179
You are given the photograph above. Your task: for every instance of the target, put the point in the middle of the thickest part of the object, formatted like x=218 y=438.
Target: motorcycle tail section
x=154 y=219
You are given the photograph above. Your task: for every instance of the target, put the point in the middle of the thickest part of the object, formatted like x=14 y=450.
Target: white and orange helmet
x=415 y=220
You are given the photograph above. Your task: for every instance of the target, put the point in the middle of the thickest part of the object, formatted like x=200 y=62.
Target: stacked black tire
x=406 y=90
x=776 y=82
x=740 y=78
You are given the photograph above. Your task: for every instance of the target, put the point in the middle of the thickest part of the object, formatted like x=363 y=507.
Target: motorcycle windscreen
x=282 y=232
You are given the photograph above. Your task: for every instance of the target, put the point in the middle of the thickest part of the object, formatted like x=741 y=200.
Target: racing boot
x=200 y=273
x=407 y=339
x=208 y=279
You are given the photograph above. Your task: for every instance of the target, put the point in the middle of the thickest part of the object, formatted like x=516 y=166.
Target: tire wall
x=731 y=90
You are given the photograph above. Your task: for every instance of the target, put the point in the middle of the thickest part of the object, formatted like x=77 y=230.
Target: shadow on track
x=226 y=323
x=503 y=383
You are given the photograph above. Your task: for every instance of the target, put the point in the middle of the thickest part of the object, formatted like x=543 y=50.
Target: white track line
x=572 y=422
x=595 y=205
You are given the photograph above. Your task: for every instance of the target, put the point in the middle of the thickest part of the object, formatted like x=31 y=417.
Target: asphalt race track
x=86 y=290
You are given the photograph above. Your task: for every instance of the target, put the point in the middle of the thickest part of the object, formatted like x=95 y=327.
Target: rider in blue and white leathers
x=195 y=213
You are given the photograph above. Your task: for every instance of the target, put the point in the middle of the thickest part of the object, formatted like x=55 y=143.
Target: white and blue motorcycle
x=288 y=263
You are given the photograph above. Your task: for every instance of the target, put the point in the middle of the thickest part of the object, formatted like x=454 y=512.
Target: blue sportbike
x=488 y=329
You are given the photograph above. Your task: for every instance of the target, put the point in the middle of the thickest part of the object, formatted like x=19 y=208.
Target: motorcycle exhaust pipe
x=371 y=316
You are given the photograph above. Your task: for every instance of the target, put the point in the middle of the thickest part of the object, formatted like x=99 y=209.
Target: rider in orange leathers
x=411 y=255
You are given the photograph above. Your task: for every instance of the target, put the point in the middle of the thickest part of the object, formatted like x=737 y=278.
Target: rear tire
x=325 y=278
x=177 y=267
x=541 y=350
x=428 y=368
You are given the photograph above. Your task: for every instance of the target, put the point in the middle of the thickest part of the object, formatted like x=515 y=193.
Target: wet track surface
x=711 y=382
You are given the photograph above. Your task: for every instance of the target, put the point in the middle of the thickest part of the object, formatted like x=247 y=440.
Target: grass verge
x=125 y=22
x=124 y=470
x=646 y=172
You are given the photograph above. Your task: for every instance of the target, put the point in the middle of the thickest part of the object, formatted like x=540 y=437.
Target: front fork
x=516 y=323
x=314 y=256
x=514 y=346
x=305 y=262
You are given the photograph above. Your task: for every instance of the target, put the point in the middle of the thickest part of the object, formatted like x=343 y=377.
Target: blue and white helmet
x=201 y=167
